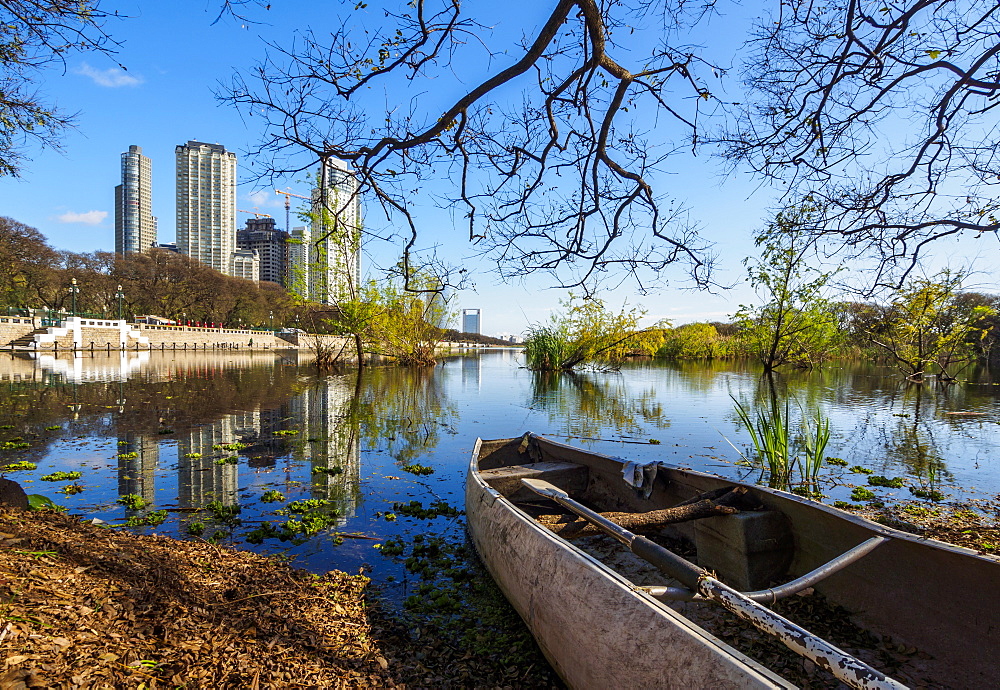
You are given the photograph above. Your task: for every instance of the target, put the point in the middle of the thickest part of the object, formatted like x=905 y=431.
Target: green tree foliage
x=929 y=328
x=795 y=325
x=33 y=275
x=587 y=332
x=404 y=317
x=695 y=341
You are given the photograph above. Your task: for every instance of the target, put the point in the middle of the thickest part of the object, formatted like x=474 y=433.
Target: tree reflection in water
x=401 y=411
x=595 y=405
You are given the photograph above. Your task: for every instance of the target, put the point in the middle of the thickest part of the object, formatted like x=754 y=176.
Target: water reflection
x=183 y=430
x=592 y=405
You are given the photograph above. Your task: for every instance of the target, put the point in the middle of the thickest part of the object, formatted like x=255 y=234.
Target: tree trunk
x=571 y=526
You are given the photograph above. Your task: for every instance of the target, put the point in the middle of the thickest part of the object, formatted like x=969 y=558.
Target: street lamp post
x=270 y=315
x=120 y=295
x=73 y=289
x=184 y=316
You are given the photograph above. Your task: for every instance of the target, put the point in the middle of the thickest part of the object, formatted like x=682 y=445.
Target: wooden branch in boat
x=570 y=526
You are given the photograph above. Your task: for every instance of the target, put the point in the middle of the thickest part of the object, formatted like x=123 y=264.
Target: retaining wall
x=14 y=327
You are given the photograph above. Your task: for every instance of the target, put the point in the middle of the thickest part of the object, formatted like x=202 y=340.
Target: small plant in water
x=61 y=476
x=223 y=513
x=127 y=456
x=777 y=449
x=133 y=501
x=196 y=529
x=839 y=462
x=71 y=489
x=272 y=496
x=192 y=455
x=15 y=444
x=929 y=494
x=419 y=470
x=879 y=480
x=18 y=466
x=54 y=427
x=152 y=519
x=336 y=469
x=861 y=470
x=286 y=432
x=416 y=509
x=860 y=493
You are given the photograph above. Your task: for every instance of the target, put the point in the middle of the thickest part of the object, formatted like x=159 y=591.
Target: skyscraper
x=206 y=204
x=135 y=226
x=471 y=322
x=271 y=246
x=325 y=258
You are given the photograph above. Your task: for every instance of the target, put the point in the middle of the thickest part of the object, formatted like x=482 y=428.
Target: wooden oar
x=843 y=666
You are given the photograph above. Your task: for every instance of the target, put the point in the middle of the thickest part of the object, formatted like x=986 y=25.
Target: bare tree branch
x=558 y=179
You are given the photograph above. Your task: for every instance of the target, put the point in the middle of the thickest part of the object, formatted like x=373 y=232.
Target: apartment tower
x=135 y=226
x=206 y=204
x=271 y=245
x=325 y=258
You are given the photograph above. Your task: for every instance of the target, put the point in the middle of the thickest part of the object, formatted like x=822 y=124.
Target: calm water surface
x=153 y=424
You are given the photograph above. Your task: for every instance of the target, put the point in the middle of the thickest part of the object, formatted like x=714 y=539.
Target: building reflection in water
x=329 y=441
x=325 y=448
x=472 y=372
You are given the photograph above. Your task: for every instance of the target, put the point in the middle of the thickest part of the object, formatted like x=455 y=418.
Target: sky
x=177 y=56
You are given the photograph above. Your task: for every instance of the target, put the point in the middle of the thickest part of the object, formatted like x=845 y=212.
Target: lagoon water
x=154 y=424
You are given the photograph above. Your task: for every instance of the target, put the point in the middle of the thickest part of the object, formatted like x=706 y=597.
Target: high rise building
x=325 y=258
x=245 y=265
x=206 y=204
x=471 y=321
x=135 y=226
x=271 y=246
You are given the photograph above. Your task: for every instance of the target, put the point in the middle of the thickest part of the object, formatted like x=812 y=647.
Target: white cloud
x=112 y=77
x=265 y=198
x=88 y=218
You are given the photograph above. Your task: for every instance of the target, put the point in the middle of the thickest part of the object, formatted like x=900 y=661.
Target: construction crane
x=254 y=213
x=288 y=206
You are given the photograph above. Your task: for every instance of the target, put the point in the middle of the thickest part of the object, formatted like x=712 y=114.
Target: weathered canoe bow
x=598 y=629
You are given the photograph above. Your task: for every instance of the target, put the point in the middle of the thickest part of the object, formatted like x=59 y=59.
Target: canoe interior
x=919 y=593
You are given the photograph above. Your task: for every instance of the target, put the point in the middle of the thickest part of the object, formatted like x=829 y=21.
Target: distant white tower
x=206 y=204
x=135 y=226
x=471 y=321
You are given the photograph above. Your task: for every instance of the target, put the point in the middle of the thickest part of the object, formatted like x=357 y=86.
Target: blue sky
x=176 y=57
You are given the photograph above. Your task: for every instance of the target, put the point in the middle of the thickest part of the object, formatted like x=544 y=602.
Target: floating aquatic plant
x=860 y=493
x=419 y=470
x=152 y=519
x=18 y=466
x=879 y=480
x=133 y=501
x=272 y=496
x=61 y=476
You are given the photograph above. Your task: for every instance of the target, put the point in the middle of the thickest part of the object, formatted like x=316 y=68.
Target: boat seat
x=568 y=476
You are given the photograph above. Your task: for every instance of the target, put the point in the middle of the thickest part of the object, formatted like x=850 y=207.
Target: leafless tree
x=885 y=115
x=549 y=154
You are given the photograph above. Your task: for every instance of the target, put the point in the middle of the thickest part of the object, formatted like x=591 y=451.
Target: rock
x=11 y=494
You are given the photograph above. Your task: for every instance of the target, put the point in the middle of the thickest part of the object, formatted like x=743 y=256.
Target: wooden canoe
x=599 y=629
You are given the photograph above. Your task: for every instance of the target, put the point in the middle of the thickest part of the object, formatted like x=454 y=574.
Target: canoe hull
x=593 y=626
x=596 y=628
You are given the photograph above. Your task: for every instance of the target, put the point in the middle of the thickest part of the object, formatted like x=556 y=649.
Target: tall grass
x=778 y=450
x=545 y=348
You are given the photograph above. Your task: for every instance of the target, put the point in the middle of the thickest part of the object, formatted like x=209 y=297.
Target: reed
x=777 y=450
x=545 y=348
